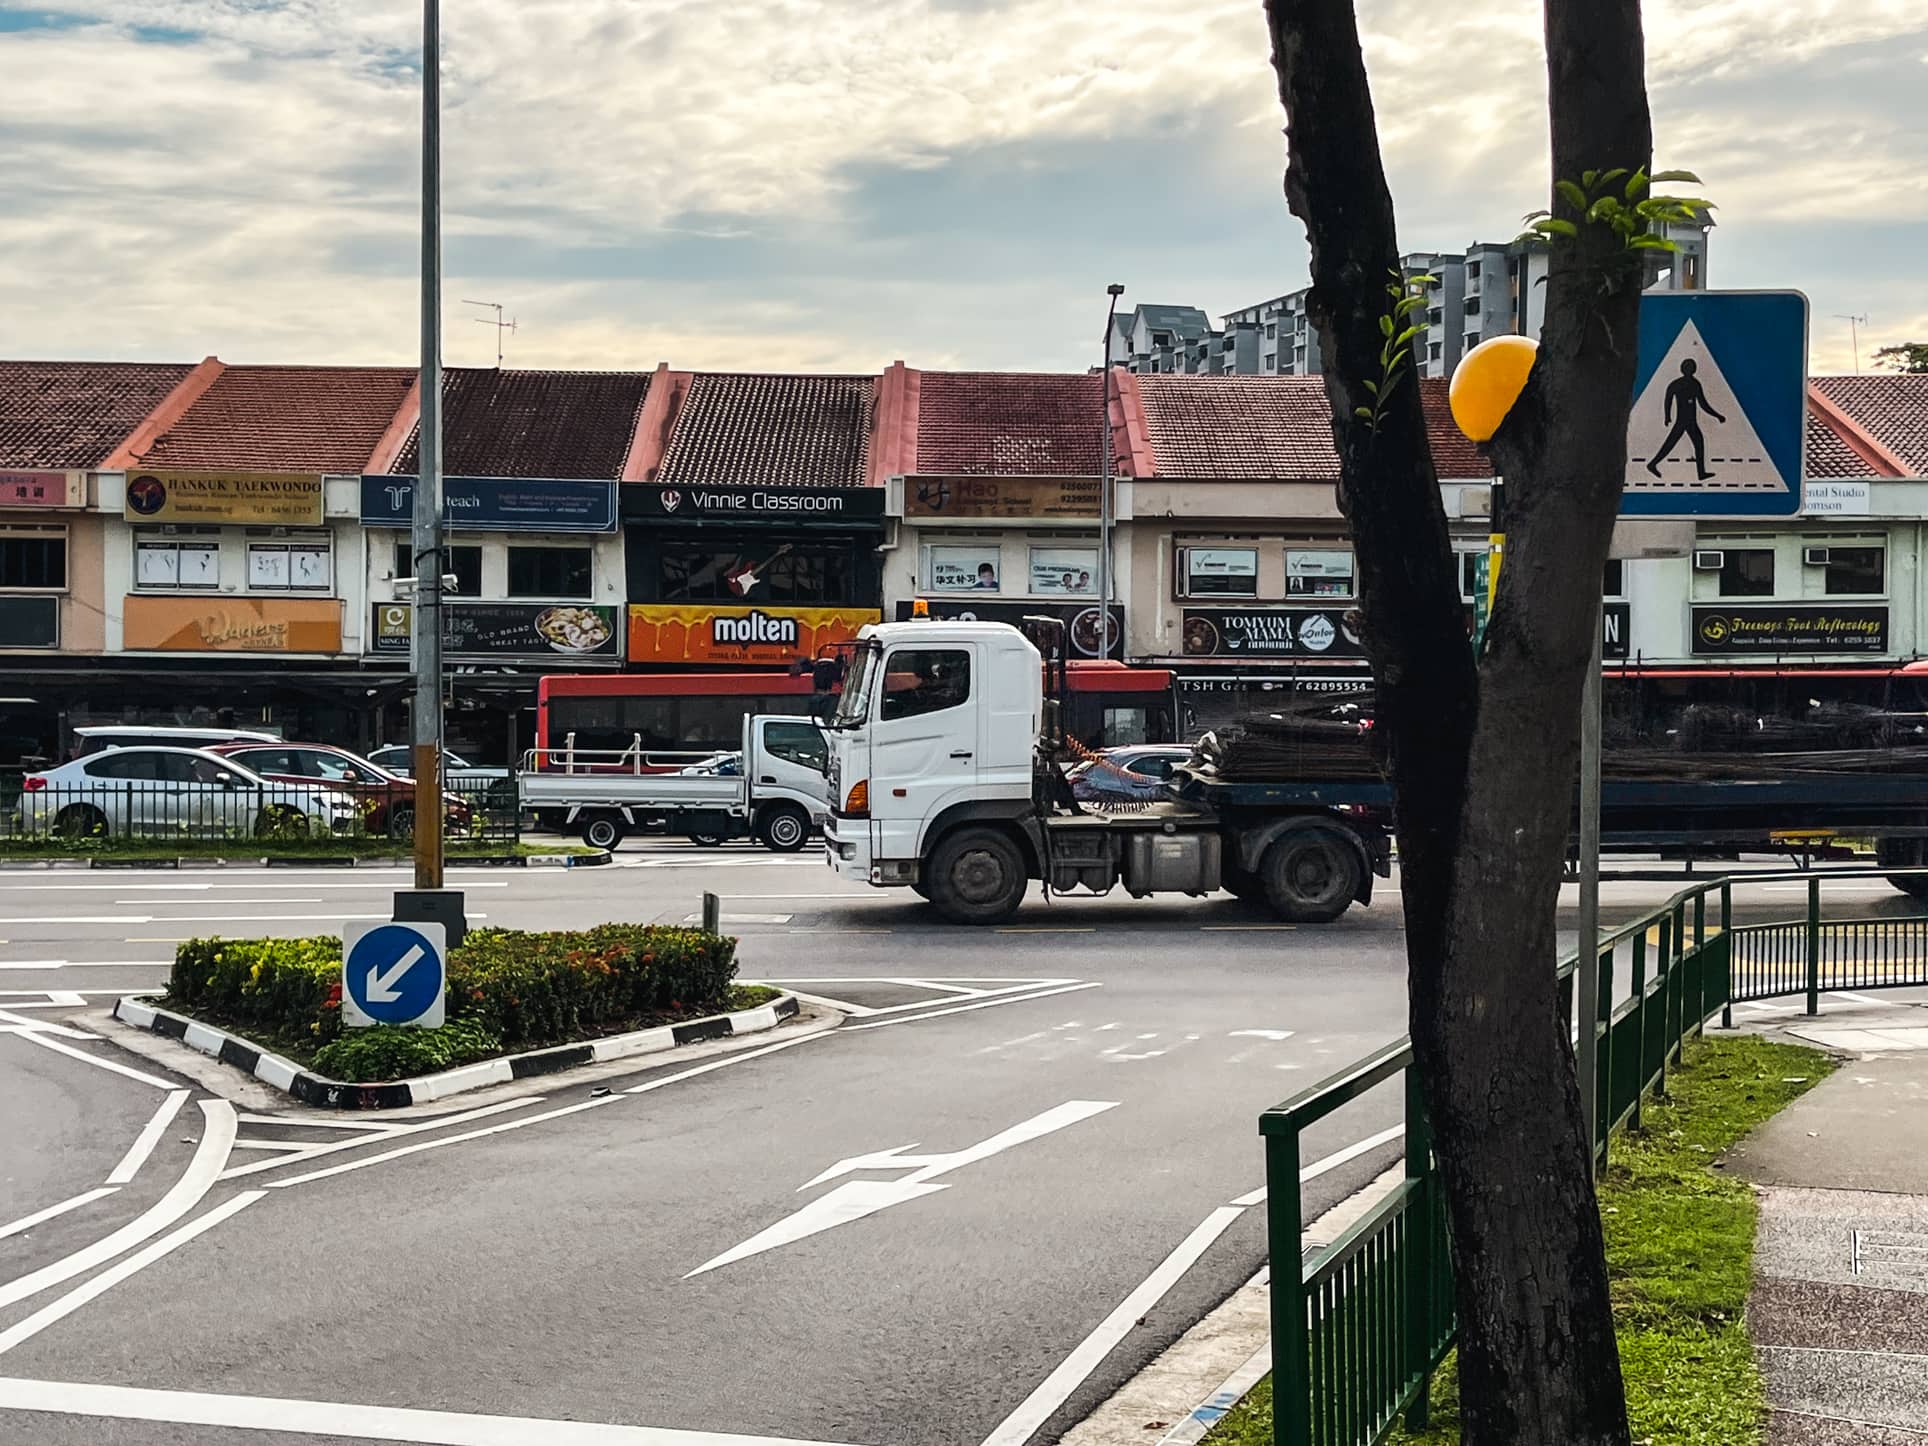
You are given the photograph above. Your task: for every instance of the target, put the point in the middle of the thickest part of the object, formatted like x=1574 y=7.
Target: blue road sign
x=1720 y=405
x=392 y=973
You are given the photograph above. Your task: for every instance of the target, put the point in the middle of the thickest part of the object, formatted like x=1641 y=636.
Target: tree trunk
x=1483 y=758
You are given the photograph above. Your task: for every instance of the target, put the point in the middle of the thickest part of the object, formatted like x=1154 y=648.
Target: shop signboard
x=230 y=625
x=799 y=504
x=1616 y=626
x=264 y=499
x=1273 y=633
x=1064 y=571
x=1014 y=497
x=499 y=504
x=1774 y=628
x=713 y=633
x=1080 y=622
x=563 y=633
x=42 y=489
x=965 y=569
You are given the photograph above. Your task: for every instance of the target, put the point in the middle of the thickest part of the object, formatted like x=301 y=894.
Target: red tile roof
x=535 y=423
x=285 y=419
x=1012 y=424
x=73 y=414
x=1828 y=454
x=1892 y=409
x=1273 y=427
x=771 y=430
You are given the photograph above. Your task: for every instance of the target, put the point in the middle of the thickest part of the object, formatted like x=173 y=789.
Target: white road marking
x=147 y=1139
x=373 y=1130
x=73 y=1300
x=98 y=1061
x=238 y=903
x=11 y=1023
x=217 y=1135
x=855 y=1199
x=842 y=1006
x=337 y=1418
x=88 y=964
x=1055 y=1389
x=735 y=918
x=288 y=879
x=966 y=1008
x=27 y=1222
x=1333 y=1161
x=1276 y=1035
x=416 y=1149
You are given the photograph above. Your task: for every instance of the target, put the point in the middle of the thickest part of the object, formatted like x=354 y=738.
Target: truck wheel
x=784 y=828
x=602 y=830
x=706 y=840
x=1310 y=876
x=1904 y=853
x=977 y=876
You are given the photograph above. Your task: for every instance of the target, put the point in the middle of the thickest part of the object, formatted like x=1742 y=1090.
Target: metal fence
x=1358 y=1330
x=114 y=811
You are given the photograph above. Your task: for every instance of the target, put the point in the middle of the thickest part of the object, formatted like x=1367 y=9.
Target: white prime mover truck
x=945 y=778
x=778 y=792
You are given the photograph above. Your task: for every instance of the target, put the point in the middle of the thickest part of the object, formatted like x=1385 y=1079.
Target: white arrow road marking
x=854 y=1199
x=381 y=986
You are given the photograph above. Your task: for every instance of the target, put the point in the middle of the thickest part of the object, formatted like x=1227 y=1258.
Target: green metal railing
x=1358 y=1329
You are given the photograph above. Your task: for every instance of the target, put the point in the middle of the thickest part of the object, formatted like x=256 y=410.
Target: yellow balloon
x=1487 y=381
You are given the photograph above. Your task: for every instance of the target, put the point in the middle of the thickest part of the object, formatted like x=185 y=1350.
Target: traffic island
x=1680 y=1245
x=517 y=1004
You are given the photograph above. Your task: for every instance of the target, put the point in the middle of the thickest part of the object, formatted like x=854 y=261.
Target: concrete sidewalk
x=1839 y=1311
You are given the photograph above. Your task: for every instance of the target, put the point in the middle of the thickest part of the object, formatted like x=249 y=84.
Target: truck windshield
x=859 y=683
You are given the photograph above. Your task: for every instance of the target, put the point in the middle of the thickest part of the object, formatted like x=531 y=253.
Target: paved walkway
x=1839 y=1313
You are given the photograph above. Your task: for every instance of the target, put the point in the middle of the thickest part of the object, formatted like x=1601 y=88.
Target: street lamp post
x=429 y=900
x=1105 y=509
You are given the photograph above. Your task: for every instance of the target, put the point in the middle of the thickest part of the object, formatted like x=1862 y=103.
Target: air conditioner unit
x=1709 y=559
x=1814 y=556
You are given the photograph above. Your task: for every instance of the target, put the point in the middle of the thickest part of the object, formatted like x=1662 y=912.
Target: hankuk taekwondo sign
x=1719 y=418
x=393 y=974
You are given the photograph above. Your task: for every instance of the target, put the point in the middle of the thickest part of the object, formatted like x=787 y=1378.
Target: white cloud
x=217 y=175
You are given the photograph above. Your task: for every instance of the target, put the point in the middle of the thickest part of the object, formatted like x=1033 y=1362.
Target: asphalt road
x=1071 y=1103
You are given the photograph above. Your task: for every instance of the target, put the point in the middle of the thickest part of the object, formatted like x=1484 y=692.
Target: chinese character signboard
x=42 y=489
x=1021 y=497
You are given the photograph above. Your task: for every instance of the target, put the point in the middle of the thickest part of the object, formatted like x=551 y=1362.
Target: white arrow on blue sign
x=392 y=974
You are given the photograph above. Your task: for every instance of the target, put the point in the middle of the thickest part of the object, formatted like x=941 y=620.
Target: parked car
x=1136 y=771
x=399 y=759
x=721 y=765
x=95 y=737
x=387 y=799
x=175 y=792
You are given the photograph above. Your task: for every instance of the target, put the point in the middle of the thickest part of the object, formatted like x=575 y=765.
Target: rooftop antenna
x=498 y=323
x=1855 y=323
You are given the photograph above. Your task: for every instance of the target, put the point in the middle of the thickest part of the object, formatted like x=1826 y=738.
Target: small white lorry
x=778 y=794
x=944 y=779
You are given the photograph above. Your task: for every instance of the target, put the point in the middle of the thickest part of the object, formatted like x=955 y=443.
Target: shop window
x=297 y=565
x=799 y=743
x=1218 y=571
x=465 y=563
x=176 y=563
x=1614 y=583
x=1315 y=572
x=1855 y=572
x=549 y=572
x=1064 y=571
x=1747 y=572
x=33 y=558
x=925 y=680
x=756 y=572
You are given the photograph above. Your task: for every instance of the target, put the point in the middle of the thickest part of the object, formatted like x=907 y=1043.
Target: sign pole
x=1105 y=518
x=1586 y=977
x=428 y=900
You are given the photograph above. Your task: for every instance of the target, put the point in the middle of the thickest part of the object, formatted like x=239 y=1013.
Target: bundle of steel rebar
x=1325 y=737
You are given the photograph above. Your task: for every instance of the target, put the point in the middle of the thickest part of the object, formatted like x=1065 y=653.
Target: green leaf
x=1611 y=176
x=1535 y=215
x=1675 y=176
x=1385 y=326
x=1409 y=333
x=1637 y=183
x=1651 y=243
x=1604 y=209
x=1364 y=414
x=1572 y=193
x=1587 y=178
x=1553 y=226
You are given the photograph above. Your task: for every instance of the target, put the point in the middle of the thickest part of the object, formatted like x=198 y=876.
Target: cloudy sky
x=833 y=184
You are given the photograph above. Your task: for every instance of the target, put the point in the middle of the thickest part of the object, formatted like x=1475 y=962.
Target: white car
x=399 y=758
x=174 y=793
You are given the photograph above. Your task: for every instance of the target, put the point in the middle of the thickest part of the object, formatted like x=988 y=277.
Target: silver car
x=175 y=793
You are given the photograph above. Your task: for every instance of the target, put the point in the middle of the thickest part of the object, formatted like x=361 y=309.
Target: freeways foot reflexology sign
x=1726 y=631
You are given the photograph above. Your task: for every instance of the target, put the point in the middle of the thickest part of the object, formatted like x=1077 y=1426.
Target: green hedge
x=509 y=989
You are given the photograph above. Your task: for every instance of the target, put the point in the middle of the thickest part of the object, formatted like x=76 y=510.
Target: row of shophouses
x=206 y=542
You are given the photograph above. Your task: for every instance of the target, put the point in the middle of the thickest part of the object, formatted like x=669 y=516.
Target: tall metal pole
x=426 y=533
x=1586 y=979
x=1105 y=519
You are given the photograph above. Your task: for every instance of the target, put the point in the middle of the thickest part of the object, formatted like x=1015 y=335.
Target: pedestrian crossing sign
x=1720 y=405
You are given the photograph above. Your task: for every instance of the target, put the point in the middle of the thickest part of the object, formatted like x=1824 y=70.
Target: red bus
x=674 y=719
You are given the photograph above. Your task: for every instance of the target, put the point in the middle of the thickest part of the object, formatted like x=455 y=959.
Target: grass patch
x=1680 y=1252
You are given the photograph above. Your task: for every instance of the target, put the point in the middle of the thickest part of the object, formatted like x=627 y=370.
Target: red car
x=387 y=799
